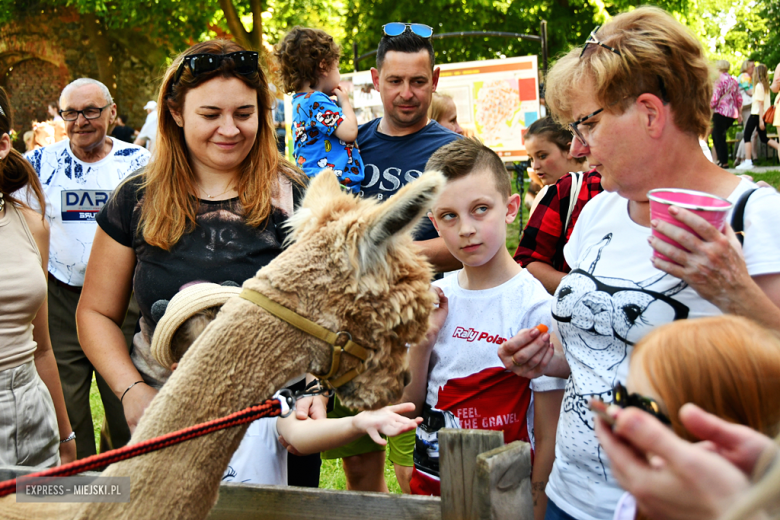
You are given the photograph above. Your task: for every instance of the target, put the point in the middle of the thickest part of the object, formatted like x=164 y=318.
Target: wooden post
x=458 y=450
x=502 y=488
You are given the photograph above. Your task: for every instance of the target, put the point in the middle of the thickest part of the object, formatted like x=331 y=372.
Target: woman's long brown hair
x=169 y=210
x=15 y=171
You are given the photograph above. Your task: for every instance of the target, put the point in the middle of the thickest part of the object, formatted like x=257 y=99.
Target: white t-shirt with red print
x=468 y=386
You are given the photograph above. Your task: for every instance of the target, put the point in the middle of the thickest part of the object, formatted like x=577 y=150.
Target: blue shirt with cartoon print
x=315 y=120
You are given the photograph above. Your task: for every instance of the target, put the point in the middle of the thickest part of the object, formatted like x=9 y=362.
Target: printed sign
x=83 y=205
x=496 y=100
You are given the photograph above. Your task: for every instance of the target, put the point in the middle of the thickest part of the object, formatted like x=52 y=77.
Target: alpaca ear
x=323 y=188
x=399 y=215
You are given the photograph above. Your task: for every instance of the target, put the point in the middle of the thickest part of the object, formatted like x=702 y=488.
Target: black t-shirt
x=221 y=248
x=393 y=161
x=123 y=133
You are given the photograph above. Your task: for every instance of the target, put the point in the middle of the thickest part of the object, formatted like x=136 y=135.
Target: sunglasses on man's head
x=623 y=399
x=244 y=62
x=398 y=28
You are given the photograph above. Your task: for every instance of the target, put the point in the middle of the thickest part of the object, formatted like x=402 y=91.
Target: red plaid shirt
x=542 y=239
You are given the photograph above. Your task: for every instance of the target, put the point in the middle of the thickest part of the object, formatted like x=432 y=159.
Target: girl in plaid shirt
x=541 y=246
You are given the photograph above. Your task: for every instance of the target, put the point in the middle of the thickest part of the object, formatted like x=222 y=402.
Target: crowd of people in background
x=115 y=235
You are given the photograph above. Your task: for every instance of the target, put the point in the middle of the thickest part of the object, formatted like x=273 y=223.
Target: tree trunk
x=95 y=29
x=252 y=40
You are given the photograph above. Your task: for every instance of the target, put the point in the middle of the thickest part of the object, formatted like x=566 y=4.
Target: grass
x=331 y=474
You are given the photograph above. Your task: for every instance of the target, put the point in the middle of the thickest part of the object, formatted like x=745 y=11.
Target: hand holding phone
x=600 y=408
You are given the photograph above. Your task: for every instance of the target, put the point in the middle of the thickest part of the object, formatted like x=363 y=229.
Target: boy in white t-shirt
x=458 y=379
x=261 y=457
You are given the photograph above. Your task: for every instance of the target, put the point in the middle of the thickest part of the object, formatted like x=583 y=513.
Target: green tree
x=569 y=23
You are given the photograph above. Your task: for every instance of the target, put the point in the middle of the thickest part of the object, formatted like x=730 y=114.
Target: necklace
x=230 y=187
x=2 y=202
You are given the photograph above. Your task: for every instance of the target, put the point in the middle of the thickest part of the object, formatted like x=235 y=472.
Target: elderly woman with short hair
x=639 y=85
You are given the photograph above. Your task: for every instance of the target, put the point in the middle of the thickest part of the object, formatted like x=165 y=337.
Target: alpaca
x=352 y=266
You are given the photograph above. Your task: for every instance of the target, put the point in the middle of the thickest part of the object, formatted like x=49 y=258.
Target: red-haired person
x=727 y=366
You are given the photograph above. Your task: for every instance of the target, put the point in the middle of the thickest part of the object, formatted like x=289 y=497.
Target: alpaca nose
x=407 y=377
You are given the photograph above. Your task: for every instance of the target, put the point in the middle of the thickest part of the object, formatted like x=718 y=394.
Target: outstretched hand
x=713 y=264
x=386 y=421
x=670 y=477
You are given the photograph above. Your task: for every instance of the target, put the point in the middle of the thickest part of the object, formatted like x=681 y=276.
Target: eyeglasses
x=582 y=133
x=88 y=113
x=398 y=28
x=623 y=399
x=592 y=40
x=245 y=63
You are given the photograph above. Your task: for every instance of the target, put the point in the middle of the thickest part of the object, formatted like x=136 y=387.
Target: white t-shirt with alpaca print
x=610 y=300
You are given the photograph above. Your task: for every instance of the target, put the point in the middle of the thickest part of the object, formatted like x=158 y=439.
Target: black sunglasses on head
x=623 y=399
x=245 y=63
x=398 y=28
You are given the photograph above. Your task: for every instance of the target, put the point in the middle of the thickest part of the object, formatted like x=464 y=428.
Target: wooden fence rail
x=481 y=479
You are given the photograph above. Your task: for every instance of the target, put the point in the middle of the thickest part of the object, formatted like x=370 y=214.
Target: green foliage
x=569 y=23
x=767 y=36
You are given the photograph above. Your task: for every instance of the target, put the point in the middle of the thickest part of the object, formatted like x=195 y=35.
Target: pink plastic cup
x=711 y=208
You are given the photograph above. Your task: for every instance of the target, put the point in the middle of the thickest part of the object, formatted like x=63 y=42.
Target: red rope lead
x=270 y=408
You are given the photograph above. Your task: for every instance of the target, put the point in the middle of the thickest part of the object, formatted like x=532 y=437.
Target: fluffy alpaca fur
x=352 y=267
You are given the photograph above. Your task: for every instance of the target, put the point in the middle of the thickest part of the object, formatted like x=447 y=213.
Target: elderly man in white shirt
x=78 y=175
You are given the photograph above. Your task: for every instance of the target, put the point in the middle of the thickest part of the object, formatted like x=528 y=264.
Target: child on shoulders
x=458 y=380
x=324 y=132
x=261 y=457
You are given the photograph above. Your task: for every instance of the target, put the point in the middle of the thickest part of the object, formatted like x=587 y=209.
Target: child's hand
x=439 y=314
x=386 y=421
x=341 y=95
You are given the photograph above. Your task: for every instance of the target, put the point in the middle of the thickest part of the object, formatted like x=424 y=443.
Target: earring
x=2 y=202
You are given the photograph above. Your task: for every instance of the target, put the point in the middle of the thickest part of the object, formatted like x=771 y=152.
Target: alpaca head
x=360 y=272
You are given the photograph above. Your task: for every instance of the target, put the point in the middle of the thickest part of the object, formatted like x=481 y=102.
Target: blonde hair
x=727 y=365
x=723 y=65
x=658 y=55
x=168 y=210
x=761 y=75
x=439 y=105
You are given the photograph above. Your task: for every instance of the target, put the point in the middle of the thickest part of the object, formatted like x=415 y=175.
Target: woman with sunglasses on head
x=210 y=206
x=727 y=366
x=640 y=85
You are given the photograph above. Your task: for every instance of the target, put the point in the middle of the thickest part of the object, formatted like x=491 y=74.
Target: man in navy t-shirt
x=396 y=147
